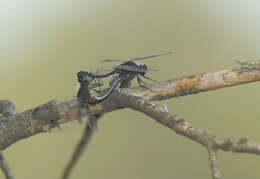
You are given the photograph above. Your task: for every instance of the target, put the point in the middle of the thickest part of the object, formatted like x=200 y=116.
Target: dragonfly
x=129 y=69
x=92 y=83
x=124 y=72
x=85 y=97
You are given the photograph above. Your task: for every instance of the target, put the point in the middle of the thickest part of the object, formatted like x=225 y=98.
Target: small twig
x=79 y=149
x=213 y=159
x=6 y=169
x=84 y=141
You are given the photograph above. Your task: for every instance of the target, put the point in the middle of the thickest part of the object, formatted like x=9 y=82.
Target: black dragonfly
x=85 y=97
x=126 y=71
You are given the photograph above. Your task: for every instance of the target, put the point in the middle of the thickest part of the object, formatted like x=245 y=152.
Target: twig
x=6 y=169
x=79 y=149
x=84 y=141
x=213 y=159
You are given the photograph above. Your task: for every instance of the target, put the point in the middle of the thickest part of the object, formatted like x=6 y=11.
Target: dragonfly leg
x=92 y=79
x=97 y=83
x=100 y=83
x=149 y=78
x=141 y=83
x=139 y=80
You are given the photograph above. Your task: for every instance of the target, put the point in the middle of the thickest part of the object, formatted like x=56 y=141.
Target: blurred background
x=45 y=43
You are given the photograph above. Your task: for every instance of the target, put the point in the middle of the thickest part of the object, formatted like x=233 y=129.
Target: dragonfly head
x=83 y=78
x=144 y=69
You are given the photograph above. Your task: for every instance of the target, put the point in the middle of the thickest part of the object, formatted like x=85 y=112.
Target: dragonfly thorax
x=131 y=67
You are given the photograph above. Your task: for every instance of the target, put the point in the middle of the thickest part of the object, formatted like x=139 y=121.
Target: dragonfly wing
x=152 y=56
x=136 y=58
x=112 y=60
x=127 y=68
x=135 y=69
x=103 y=71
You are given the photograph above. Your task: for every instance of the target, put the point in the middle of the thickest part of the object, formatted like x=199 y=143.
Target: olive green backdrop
x=45 y=43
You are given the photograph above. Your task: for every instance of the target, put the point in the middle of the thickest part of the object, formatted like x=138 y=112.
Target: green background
x=45 y=43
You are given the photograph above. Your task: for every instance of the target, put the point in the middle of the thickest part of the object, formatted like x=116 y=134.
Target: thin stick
x=84 y=141
x=213 y=159
x=6 y=169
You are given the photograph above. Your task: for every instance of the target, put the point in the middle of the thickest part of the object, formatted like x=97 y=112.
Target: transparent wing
x=104 y=70
x=112 y=60
x=152 y=56
x=134 y=69
x=137 y=58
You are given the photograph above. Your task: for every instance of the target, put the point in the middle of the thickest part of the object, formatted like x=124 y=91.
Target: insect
x=87 y=84
x=128 y=68
x=85 y=98
x=91 y=83
x=126 y=72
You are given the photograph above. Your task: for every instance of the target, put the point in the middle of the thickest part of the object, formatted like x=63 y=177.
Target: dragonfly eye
x=80 y=76
x=79 y=79
x=83 y=79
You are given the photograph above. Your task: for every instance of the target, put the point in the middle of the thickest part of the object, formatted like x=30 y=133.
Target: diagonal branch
x=43 y=118
x=182 y=127
x=248 y=71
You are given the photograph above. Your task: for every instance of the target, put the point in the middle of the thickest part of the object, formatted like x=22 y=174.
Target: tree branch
x=14 y=127
x=182 y=127
x=43 y=118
